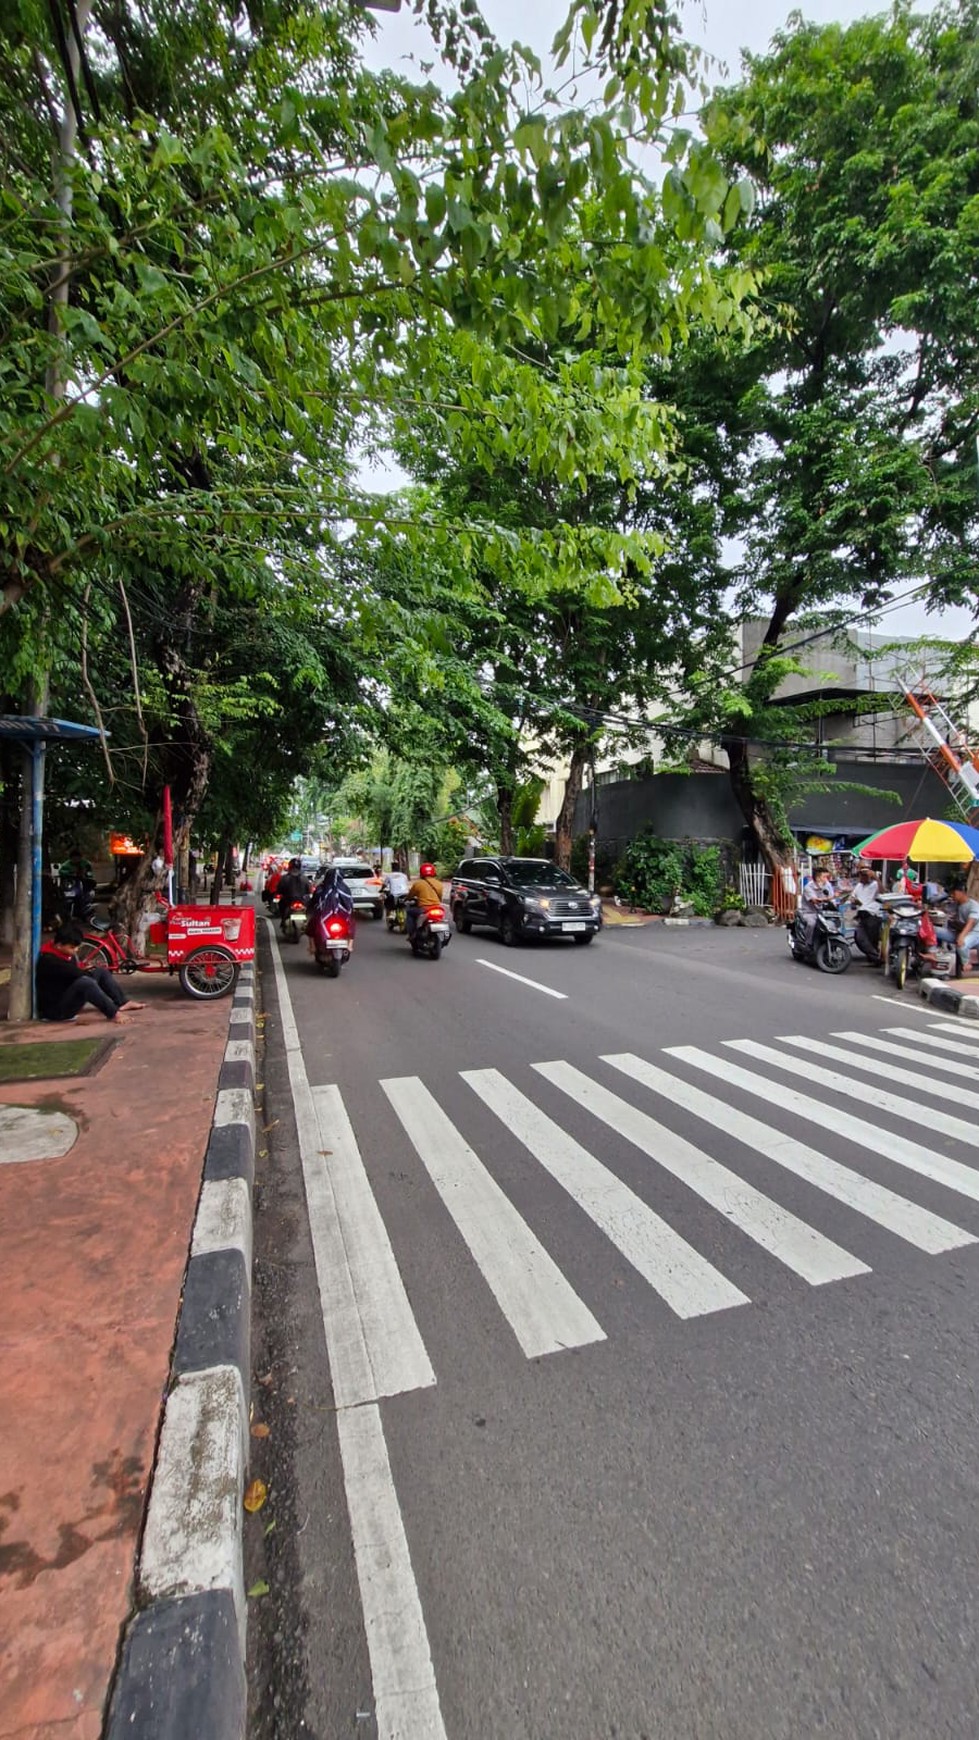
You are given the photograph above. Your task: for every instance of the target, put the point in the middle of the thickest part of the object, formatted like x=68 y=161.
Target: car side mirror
x=492 y=881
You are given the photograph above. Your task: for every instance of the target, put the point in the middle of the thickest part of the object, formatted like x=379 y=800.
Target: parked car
x=366 y=888
x=521 y=897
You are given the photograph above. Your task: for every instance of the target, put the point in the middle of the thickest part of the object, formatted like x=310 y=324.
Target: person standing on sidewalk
x=64 y=988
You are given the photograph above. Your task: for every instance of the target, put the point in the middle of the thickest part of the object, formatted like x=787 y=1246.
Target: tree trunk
x=564 y=826
x=504 y=805
x=771 y=841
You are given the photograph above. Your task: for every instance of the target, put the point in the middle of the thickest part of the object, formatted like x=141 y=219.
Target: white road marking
x=541 y=1307
x=406 y=1700
x=405 y=1693
x=363 y=1295
x=690 y=1285
x=911 y=1053
x=800 y=1247
x=891 y=1072
x=918 y=1226
x=507 y=974
x=878 y=1096
x=898 y=1003
x=963 y=1031
x=917 y=1158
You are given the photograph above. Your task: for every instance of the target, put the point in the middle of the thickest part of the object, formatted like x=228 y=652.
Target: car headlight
x=596 y=899
x=538 y=905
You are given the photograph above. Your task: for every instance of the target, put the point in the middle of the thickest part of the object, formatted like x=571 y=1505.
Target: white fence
x=754 y=880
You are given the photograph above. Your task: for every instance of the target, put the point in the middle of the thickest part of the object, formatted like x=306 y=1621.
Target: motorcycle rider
x=425 y=891
x=292 y=886
x=817 y=892
x=330 y=896
x=869 y=921
x=396 y=888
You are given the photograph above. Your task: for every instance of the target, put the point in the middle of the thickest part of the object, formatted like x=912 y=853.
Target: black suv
x=523 y=897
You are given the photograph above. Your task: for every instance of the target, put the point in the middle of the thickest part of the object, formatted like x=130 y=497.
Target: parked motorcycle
x=823 y=943
x=432 y=933
x=333 y=941
x=911 y=945
x=293 y=922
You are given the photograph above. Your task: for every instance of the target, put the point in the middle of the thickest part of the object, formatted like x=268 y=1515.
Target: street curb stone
x=942 y=996
x=181 y=1668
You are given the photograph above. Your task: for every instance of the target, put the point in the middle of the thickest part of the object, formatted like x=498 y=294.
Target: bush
x=653 y=872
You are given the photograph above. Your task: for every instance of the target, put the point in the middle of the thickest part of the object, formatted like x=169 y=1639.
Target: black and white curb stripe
x=182 y=1666
x=941 y=995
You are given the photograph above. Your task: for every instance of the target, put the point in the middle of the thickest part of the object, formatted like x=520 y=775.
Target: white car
x=366 y=888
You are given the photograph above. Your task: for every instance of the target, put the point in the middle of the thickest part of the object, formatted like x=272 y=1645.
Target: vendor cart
x=204 y=945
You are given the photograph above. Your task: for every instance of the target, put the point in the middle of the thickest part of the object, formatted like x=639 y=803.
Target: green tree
x=846 y=461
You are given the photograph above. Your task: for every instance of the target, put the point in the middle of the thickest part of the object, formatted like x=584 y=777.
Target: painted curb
x=181 y=1669
x=943 y=996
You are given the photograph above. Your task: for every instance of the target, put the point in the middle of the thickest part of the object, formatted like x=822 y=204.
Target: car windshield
x=538 y=873
x=354 y=872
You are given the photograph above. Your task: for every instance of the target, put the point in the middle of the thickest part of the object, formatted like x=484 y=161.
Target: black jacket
x=52 y=977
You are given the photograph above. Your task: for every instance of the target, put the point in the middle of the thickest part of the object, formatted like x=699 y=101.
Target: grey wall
x=700 y=806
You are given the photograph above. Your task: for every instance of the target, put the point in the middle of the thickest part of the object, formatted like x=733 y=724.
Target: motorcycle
x=824 y=945
x=432 y=933
x=333 y=941
x=397 y=915
x=911 y=945
x=293 y=921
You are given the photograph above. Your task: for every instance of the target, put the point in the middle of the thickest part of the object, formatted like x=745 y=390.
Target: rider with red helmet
x=426 y=890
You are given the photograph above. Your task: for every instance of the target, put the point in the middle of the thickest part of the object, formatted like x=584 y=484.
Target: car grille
x=569 y=908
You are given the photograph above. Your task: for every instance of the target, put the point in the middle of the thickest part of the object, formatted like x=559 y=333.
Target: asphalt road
x=631 y=1398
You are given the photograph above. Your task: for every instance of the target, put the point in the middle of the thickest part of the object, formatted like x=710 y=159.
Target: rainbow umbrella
x=924 y=842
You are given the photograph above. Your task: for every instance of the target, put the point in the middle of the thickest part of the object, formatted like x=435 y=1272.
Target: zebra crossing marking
x=688 y=1283
x=966 y=1034
x=899 y=1149
x=907 y=1110
x=800 y=1247
x=925 y=1084
x=541 y=1307
x=918 y=1226
x=947 y=1065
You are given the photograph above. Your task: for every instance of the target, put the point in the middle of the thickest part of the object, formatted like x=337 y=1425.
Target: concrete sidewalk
x=93 y=1253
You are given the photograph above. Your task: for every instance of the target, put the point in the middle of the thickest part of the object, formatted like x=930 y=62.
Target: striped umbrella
x=923 y=842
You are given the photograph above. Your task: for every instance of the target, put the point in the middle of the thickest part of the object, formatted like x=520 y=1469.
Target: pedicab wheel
x=92 y=954
x=832 y=955
x=208 y=973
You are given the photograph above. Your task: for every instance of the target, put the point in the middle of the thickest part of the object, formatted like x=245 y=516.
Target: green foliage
x=653 y=872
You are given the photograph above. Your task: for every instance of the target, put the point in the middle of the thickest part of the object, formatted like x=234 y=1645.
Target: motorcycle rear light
x=336 y=927
x=436 y=912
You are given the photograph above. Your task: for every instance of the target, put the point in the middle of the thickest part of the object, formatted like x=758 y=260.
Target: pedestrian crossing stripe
x=375 y=1347
x=946 y=1065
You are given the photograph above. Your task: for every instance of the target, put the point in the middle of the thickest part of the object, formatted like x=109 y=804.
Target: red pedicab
x=205 y=945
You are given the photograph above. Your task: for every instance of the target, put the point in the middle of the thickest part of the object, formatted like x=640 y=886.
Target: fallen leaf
x=255 y=1495
x=326 y=1150
x=259 y=1085
x=259 y=1588
x=270 y=1527
x=261 y=1430
x=268 y=1379
x=267 y=1127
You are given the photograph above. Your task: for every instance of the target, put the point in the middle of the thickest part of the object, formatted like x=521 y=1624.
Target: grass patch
x=47 y=1059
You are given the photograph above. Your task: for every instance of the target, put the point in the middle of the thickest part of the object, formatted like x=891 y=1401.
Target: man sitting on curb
x=64 y=988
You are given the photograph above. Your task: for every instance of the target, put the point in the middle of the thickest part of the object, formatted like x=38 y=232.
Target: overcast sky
x=724 y=31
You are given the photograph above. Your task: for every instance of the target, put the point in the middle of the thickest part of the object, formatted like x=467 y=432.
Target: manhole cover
x=29 y=1134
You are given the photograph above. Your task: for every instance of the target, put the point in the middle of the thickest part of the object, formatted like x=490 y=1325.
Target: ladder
x=945 y=747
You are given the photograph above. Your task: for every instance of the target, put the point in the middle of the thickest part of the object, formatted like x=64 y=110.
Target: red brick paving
x=93 y=1249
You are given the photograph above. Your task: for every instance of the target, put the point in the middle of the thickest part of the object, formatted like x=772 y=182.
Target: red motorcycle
x=333 y=941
